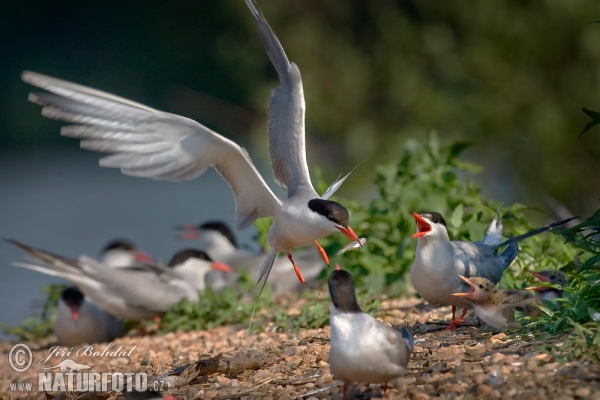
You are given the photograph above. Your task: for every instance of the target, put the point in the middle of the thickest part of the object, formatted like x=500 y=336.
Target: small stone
x=582 y=392
x=483 y=390
x=496 y=357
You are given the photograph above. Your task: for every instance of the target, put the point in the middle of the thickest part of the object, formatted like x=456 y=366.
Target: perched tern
x=217 y=239
x=122 y=253
x=79 y=321
x=439 y=261
x=552 y=276
x=143 y=291
x=497 y=307
x=159 y=145
x=363 y=349
x=194 y=266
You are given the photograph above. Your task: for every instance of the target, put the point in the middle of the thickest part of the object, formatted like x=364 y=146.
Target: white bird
x=439 y=261
x=121 y=253
x=79 y=321
x=217 y=239
x=159 y=145
x=194 y=266
x=363 y=349
x=136 y=293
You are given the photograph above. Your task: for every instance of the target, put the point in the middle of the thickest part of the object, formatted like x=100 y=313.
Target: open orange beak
x=468 y=282
x=218 y=266
x=349 y=234
x=542 y=278
x=423 y=227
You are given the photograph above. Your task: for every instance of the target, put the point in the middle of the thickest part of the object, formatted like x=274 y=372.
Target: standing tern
x=121 y=253
x=79 y=321
x=143 y=291
x=439 y=261
x=217 y=239
x=159 y=145
x=363 y=349
x=497 y=307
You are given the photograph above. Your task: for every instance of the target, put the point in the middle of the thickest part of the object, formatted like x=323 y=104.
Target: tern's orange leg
x=322 y=251
x=384 y=389
x=455 y=321
x=344 y=391
x=296 y=270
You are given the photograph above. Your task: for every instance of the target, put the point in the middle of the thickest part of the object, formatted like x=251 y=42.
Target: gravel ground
x=472 y=362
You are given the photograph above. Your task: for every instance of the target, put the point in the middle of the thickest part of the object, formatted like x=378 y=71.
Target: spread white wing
x=151 y=143
x=286 y=113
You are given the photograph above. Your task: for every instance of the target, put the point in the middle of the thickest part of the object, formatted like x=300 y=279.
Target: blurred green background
x=510 y=76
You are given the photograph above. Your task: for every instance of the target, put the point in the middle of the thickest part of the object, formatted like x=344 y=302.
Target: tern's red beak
x=218 y=266
x=423 y=227
x=143 y=257
x=75 y=314
x=468 y=294
x=349 y=234
x=542 y=278
x=190 y=232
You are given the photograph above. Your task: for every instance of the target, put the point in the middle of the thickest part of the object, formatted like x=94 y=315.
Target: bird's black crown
x=341 y=290
x=435 y=217
x=335 y=212
x=72 y=297
x=222 y=228
x=119 y=244
x=183 y=255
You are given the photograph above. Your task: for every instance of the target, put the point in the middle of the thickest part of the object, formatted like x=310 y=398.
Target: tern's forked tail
x=532 y=233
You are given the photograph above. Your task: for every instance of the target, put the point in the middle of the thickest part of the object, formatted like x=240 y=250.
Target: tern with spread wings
x=149 y=143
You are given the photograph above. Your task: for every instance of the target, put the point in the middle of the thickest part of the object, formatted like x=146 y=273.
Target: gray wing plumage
x=286 y=113
x=151 y=143
x=399 y=344
x=478 y=259
x=129 y=294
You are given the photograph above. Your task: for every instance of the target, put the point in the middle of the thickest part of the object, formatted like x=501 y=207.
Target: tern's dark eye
x=480 y=286
x=435 y=220
x=552 y=277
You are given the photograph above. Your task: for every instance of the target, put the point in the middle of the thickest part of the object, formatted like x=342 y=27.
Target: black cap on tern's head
x=119 y=244
x=335 y=212
x=341 y=291
x=72 y=297
x=183 y=255
x=424 y=221
x=220 y=227
x=435 y=217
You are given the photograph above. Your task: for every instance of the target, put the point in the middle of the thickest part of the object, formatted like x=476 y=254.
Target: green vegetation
x=38 y=326
x=428 y=176
x=577 y=316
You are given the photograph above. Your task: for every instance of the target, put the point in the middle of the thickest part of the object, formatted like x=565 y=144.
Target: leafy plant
x=213 y=309
x=42 y=325
x=577 y=316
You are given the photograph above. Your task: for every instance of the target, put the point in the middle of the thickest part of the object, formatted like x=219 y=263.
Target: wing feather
x=149 y=143
x=286 y=113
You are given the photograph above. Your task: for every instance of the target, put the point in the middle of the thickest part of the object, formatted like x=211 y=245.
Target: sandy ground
x=470 y=363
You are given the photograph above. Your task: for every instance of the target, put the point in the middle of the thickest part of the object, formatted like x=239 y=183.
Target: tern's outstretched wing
x=151 y=143
x=286 y=113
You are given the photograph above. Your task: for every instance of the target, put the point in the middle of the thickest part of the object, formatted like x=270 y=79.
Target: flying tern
x=363 y=349
x=149 y=143
x=79 y=321
x=143 y=291
x=439 y=261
